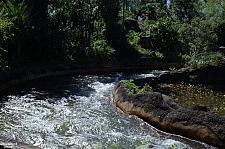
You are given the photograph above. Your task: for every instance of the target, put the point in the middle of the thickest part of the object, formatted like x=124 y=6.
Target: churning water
x=77 y=112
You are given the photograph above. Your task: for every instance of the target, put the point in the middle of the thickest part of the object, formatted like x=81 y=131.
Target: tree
x=183 y=9
x=197 y=36
x=115 y=33
x=20 y=14
x=77 y=23
x=153 y=9
x=214 y=10
x=5 y=34
x=163 y=35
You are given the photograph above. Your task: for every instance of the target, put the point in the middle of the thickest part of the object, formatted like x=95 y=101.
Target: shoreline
x=11 y=77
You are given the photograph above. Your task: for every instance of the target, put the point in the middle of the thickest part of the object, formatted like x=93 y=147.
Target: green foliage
x=214 y=9
x=144 y=26
x=159 y=54
x=74 y=23
x=100 y=48
x=152 y=9
x=6 y=34
x=100 y=28
x=5 y=30
x=115 y=33
x=197 y=36
x=20 y=13
x=55 y=30
x=134 y=89
x=163 y=35
x=203 y=59
x=183 y=10
x=134 y=40
x=172 y=69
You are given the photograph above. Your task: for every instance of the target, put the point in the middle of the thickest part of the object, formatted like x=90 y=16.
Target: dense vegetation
x=43 y=31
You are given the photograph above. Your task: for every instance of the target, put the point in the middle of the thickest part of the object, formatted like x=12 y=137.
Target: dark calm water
x=77 y=112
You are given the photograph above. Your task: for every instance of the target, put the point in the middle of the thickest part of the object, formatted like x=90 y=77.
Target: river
x=77 y=112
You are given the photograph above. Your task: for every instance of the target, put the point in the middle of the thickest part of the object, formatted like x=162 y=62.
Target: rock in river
x=164 y=113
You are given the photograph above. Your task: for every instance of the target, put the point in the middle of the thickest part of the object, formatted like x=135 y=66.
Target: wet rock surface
x=165 y=114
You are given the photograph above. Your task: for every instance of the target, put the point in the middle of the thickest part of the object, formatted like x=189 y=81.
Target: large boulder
x=165 y=114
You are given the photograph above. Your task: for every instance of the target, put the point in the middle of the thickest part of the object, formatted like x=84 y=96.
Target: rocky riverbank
x=164 y=113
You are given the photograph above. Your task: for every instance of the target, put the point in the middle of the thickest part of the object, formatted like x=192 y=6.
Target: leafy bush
x=134 y=40
x=197 y=36
x=163 y=34
x=15 y=20
x=101 y=48
x=5 y=28
x=134 y=89
x=203 y=59
x=20 y=13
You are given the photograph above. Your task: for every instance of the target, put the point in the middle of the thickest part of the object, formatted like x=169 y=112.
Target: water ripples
x=78 y=112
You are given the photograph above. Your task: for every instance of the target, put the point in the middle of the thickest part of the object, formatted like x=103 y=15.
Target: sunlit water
x=77 y=112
